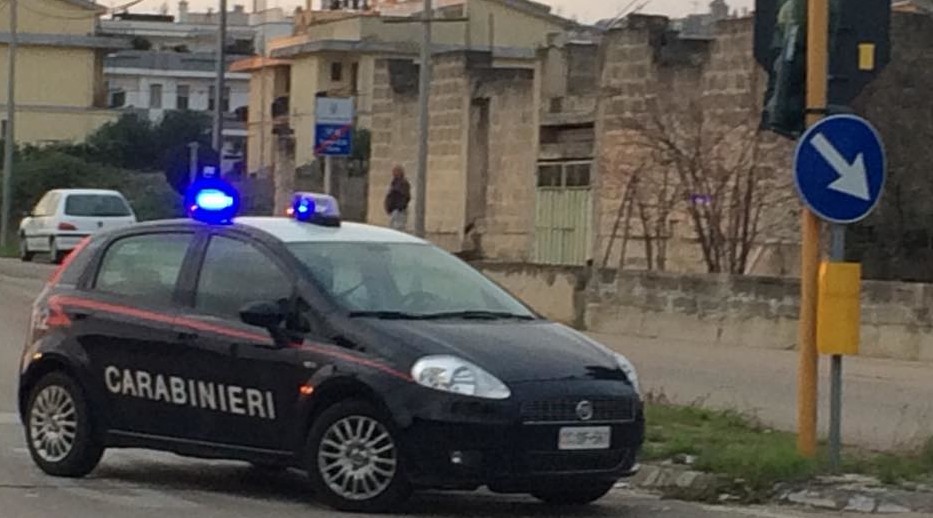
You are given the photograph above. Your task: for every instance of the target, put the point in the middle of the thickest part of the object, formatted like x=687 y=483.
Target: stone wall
x=717 y=310
x=510 y=189
x=650 y=77
x=395 y=141
x=505 y=220
x=551 y=291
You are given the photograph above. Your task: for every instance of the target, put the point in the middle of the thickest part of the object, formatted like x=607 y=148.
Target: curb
x=848 y=493
x=857 y=494
x=679 y=482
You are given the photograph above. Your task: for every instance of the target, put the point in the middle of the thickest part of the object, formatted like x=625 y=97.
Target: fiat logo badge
x=585 y=410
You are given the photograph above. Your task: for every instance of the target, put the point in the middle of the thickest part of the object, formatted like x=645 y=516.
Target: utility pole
x=424 y=101
x=218 y=135
x=193 y=161
x=6 y=206
x=808 y=372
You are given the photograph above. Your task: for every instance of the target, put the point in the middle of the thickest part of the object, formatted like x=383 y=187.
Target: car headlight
x=452 y=374
x=629 y=371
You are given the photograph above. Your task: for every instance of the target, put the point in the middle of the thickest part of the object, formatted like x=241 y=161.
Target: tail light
x=66 y=226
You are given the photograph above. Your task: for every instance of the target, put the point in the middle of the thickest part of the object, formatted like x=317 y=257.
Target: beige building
x=60 y=89
x=335 y=53
x=486 y=57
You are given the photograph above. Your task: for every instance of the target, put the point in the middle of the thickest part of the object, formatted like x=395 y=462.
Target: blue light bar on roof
x=212 y=201
x=320 y=209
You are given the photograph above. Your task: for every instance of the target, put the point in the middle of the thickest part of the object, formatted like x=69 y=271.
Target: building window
x=336 y=72
x=182 y=97
x=355 y=78
x=212 y=98
x=117 y=99
x=155 y=97
x=567 y=174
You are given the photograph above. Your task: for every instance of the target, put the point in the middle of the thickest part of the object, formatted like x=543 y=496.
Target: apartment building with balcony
x=61 y=95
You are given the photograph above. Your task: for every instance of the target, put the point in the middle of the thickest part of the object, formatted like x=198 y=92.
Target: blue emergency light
x=319 y=209
x=212 y=201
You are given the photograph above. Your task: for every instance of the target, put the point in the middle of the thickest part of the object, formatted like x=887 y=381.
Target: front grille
x=565 y=411
x=555 y=462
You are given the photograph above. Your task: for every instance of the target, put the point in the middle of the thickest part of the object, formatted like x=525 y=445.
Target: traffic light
x=785 y=99
x=859 y=43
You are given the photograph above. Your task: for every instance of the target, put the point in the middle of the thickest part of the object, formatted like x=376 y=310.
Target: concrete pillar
x=284 y=171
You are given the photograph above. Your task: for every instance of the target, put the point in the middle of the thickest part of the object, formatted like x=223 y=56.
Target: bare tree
x=715 y=172
x=647 y=202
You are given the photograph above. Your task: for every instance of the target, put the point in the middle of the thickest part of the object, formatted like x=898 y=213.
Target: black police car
x=374 y=361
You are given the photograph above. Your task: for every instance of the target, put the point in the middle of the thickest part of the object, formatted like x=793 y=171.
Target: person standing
x=397 y=199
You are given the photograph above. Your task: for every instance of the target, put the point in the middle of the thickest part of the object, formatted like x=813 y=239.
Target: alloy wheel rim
x=357 y=458
x=53 y=423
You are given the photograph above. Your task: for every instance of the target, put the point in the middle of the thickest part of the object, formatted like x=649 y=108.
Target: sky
x=584 y=10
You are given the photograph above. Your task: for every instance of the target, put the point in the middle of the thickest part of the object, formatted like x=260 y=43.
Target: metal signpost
x=839 y=170
x=819 y=55
x=333 y=132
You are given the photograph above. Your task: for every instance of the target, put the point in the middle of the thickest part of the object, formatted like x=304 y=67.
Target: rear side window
x=235 y=274
x=144 y=267
x=96 y=205
x=47 y=205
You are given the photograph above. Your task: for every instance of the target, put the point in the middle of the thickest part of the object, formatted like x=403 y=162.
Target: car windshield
x=405 y=280
x=96 y=205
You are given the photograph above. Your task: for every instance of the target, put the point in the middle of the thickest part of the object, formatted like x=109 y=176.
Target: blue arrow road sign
x=840 y=168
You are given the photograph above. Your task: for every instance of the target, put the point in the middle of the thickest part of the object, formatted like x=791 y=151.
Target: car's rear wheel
x=354 y=461
x=59 y=432
x=575 y=494
x=55 y=255
x=24 y=254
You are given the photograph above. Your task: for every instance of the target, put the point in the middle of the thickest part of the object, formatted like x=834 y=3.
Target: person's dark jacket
x=399 y=195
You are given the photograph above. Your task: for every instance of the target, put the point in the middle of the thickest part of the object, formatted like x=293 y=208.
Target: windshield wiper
x=385 y=315
x=477 y=315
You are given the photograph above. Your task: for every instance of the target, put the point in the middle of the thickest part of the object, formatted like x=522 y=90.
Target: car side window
x=46 y=206
x=144 y=267
x=236 y=273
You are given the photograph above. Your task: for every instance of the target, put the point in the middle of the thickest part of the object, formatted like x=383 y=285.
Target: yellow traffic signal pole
x=808 y=372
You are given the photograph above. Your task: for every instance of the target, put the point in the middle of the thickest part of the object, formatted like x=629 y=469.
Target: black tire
x=24 y=254
x=396 y=488
x=576 y=494
x=55 y=255
x=86 y=448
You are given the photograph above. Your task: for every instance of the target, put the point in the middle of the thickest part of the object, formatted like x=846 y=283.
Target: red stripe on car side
x=204 y=326
x=353 y=359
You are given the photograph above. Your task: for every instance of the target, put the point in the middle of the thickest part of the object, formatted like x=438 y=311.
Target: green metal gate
x=564 y=214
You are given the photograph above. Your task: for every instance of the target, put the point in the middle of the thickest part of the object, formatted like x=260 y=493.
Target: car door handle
x=187 y=336
x=78 y=314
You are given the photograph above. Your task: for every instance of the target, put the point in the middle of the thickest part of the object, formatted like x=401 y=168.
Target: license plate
x=585 y=438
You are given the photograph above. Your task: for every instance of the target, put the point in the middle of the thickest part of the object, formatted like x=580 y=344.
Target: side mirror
x=267 y=315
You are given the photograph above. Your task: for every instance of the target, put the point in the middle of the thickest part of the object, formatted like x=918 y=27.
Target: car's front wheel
x=354 y=461
x=59 y=432
x=575 y=494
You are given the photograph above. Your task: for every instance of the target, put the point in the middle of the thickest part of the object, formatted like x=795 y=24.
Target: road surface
x=140 y=484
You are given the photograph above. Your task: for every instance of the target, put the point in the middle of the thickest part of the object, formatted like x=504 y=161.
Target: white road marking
x=9 y=418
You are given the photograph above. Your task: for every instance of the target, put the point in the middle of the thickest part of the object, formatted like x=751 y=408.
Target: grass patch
x=735 y=446
x=10 y=250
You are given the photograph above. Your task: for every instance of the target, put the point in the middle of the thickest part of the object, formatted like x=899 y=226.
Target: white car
x=63 y=217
